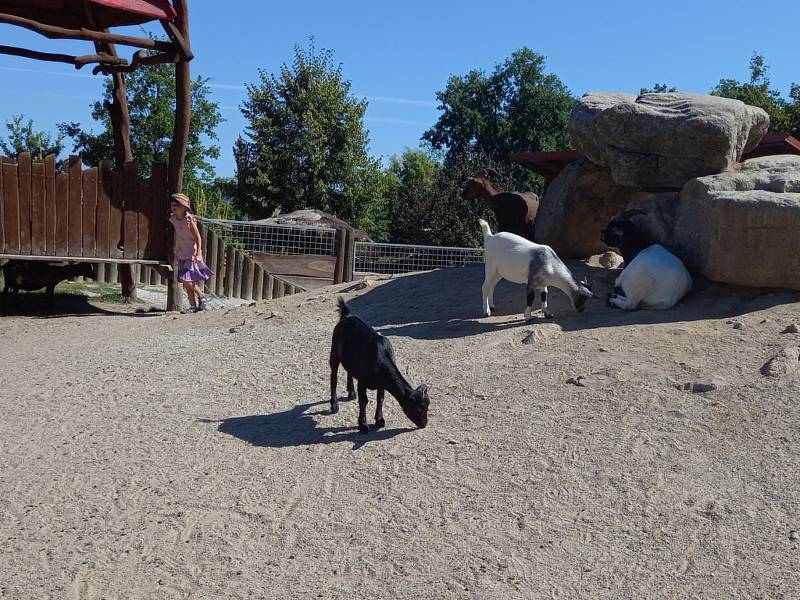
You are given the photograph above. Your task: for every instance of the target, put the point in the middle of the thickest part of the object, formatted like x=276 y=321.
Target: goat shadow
x=446 y=304
x=296 y=427
x=36 y=305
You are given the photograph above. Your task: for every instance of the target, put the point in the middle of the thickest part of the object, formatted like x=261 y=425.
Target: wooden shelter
x=142 y=203
x=550 y=164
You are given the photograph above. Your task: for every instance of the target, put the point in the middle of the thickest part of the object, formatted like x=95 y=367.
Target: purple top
x=185 y=244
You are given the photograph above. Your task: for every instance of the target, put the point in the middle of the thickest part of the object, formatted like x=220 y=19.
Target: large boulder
x=664 y=140
x=576 y=207
x=741 y=227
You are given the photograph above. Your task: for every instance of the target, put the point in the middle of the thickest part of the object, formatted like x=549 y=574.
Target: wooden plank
x=220 y=288
x=237 y=275
x=130 y=206
x=89 y=212
x=103 y=222
x=99 y=272
x=269 y=286
x=159 y=220
x=258 y=283
x=75 y=221
x=38 y=210
x=145 y=214
x=278 y=290
x=116 y=218
x=57 y=259
x=112 y=274
x=10 y=208
x=338 y=272
x=320 y=267
x=24 y=183
x=50 y=204
x=248 y=273
x=230 y=267
x=62 y=214
x=211 y=260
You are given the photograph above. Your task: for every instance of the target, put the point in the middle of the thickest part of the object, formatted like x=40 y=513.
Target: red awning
x=105 y=13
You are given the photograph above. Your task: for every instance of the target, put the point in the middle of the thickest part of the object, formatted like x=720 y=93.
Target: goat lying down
x=518 y=260
x=653 y=277
x=368 y=357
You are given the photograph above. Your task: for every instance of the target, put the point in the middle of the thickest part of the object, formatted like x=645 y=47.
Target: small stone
x=703 y=386
x=793 y=328
x=253 y=304
x=234 y=330
x=601 y=349
x=452 y=442
x=610 y=260
x=738 y=325
x=577 y=381
x=530 y=338
x=793 y=535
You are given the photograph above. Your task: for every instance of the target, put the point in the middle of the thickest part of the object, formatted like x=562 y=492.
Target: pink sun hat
x=183 y=200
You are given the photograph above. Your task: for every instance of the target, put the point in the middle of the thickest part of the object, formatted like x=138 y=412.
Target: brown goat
x=515 y=211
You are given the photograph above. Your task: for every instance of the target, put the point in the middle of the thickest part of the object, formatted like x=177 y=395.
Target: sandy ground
x=154 y=456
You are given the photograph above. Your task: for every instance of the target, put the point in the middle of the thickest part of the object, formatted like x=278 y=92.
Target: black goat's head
x=620 y=228
x=416 y=406
x=583 y=294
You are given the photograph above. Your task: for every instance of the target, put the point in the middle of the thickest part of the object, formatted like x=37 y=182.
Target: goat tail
x=485 y=228
x=344 y=310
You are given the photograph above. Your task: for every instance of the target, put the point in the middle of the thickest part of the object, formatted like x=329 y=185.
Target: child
x=192 y=271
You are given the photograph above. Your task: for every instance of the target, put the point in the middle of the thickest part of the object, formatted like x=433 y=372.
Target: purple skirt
x=192 y=271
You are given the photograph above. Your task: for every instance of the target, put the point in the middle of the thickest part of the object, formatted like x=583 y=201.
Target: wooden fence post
x=248 y=273
x=258 y=283
x=349 y=253
x=237 y=274
x=338 y=272
x=269 y=286
x=219 y=286
x=230 y=268
x=211 y=260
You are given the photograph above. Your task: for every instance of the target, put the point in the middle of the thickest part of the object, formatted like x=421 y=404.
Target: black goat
x=368 y=357
x=32 y=275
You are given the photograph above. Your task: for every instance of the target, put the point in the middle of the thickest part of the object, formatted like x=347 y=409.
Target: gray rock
x=793 y=328
x=664 y=140
x=784 y=363
x=740 y=227
x=738 y=325
x=610 y=260
x=576 y=207
x=793 y=536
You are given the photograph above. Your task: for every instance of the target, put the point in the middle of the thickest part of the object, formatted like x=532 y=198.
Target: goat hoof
x=363 y=429
x=351 y=397
x=334 y=407
x=380 y=423
x=548 y=315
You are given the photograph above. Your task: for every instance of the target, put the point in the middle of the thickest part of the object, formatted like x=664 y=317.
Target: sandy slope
x=161 y=457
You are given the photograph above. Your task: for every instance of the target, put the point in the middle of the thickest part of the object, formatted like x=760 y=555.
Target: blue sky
x=398 y=55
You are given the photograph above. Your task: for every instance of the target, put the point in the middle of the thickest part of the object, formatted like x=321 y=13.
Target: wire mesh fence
x=276 y=239
x=390 y=259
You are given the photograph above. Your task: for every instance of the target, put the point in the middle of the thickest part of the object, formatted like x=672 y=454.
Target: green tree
x=658 y=88
x=151 y=101
x=306 y=145
x=411 y=187
x=518 y=107
x=22 y=137
x=756 y=92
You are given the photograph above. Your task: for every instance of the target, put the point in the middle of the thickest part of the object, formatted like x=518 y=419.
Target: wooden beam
x=140 y=59
x=54 y=33
x=62 y=259
x=76 y=61
x=177 y=38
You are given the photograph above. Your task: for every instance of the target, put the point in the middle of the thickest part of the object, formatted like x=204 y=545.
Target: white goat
x=518 y=260
x=653 y=277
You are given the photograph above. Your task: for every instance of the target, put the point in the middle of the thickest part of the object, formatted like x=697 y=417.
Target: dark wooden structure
x=79 y=213
x=550 y=164
x=92 y=21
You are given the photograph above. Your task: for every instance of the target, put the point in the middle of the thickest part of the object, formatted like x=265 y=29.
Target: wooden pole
x=76 y=61
x=180 y=136
x=211 y=253
x=248 y=274
x=269 y=286
x=258 y=283
x=338 y=272
x=230 y=268
x=220 y=284
x=348 y=255
x=238 y=270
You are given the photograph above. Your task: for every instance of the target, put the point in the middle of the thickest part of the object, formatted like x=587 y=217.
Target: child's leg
x=189 y=287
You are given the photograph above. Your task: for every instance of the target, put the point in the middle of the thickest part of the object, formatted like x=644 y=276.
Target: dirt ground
x=155 y=456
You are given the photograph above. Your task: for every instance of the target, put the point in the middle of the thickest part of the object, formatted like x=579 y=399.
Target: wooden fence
x=236 y=274
x=97 y=213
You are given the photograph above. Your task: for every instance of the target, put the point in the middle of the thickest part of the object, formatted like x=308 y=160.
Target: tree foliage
x=517 y=107
x=306 y=145
x=784 y=113
x=658 y=88
x=425 y=198
x=151 y=102
x=22 y=137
